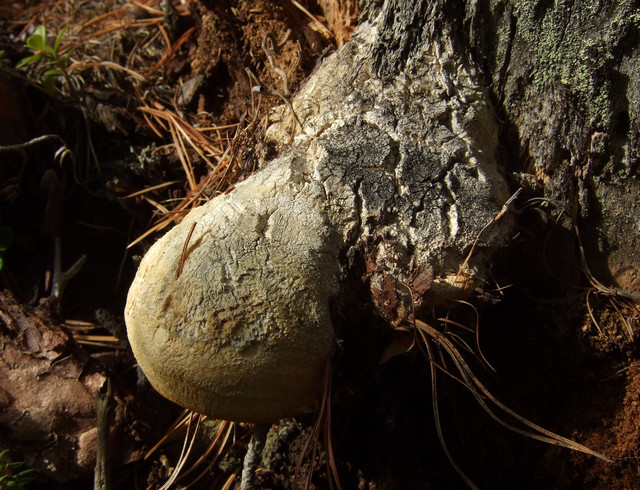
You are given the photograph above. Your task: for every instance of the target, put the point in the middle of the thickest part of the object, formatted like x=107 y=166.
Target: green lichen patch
x=576 y=44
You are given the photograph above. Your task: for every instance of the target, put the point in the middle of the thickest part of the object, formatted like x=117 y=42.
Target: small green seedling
x=10 y=478
x=55 y=63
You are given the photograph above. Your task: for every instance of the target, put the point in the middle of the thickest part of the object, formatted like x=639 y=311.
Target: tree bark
x=562 y=77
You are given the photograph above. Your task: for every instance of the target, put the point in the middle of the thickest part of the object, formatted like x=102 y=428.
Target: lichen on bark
x=564 y=75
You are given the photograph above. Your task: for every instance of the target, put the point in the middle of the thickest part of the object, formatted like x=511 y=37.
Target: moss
x=285 y=443
x=573 y=44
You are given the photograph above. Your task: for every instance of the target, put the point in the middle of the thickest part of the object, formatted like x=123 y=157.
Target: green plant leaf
x=29 y=60
x=56 y=44
x=49 y=51
x=59 y=62
x=38 y=41
x=26 y=476
x=54 y=72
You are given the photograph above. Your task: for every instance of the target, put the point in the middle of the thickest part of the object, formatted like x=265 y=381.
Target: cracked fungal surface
x=403 y=166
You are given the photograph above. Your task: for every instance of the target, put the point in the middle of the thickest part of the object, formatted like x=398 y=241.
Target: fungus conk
x=399 y=168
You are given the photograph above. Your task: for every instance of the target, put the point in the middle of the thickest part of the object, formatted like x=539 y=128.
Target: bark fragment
x=46 y=403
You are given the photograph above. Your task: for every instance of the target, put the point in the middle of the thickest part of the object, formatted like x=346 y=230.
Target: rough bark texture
x=563 y=76
x=563 y=79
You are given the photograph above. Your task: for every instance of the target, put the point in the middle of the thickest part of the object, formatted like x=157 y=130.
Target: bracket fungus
x=242 y=332
x=400 y=168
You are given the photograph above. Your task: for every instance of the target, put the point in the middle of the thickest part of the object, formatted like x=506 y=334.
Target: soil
x=139 y=76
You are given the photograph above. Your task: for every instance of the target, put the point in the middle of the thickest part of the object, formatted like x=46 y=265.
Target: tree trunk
x=398 y=160
x=562 y=77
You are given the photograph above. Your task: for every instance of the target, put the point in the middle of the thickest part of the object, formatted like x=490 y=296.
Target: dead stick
x=104 y=406
x=254 y=455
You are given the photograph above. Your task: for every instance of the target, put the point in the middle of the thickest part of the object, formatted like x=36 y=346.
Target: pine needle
x=480 y=393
